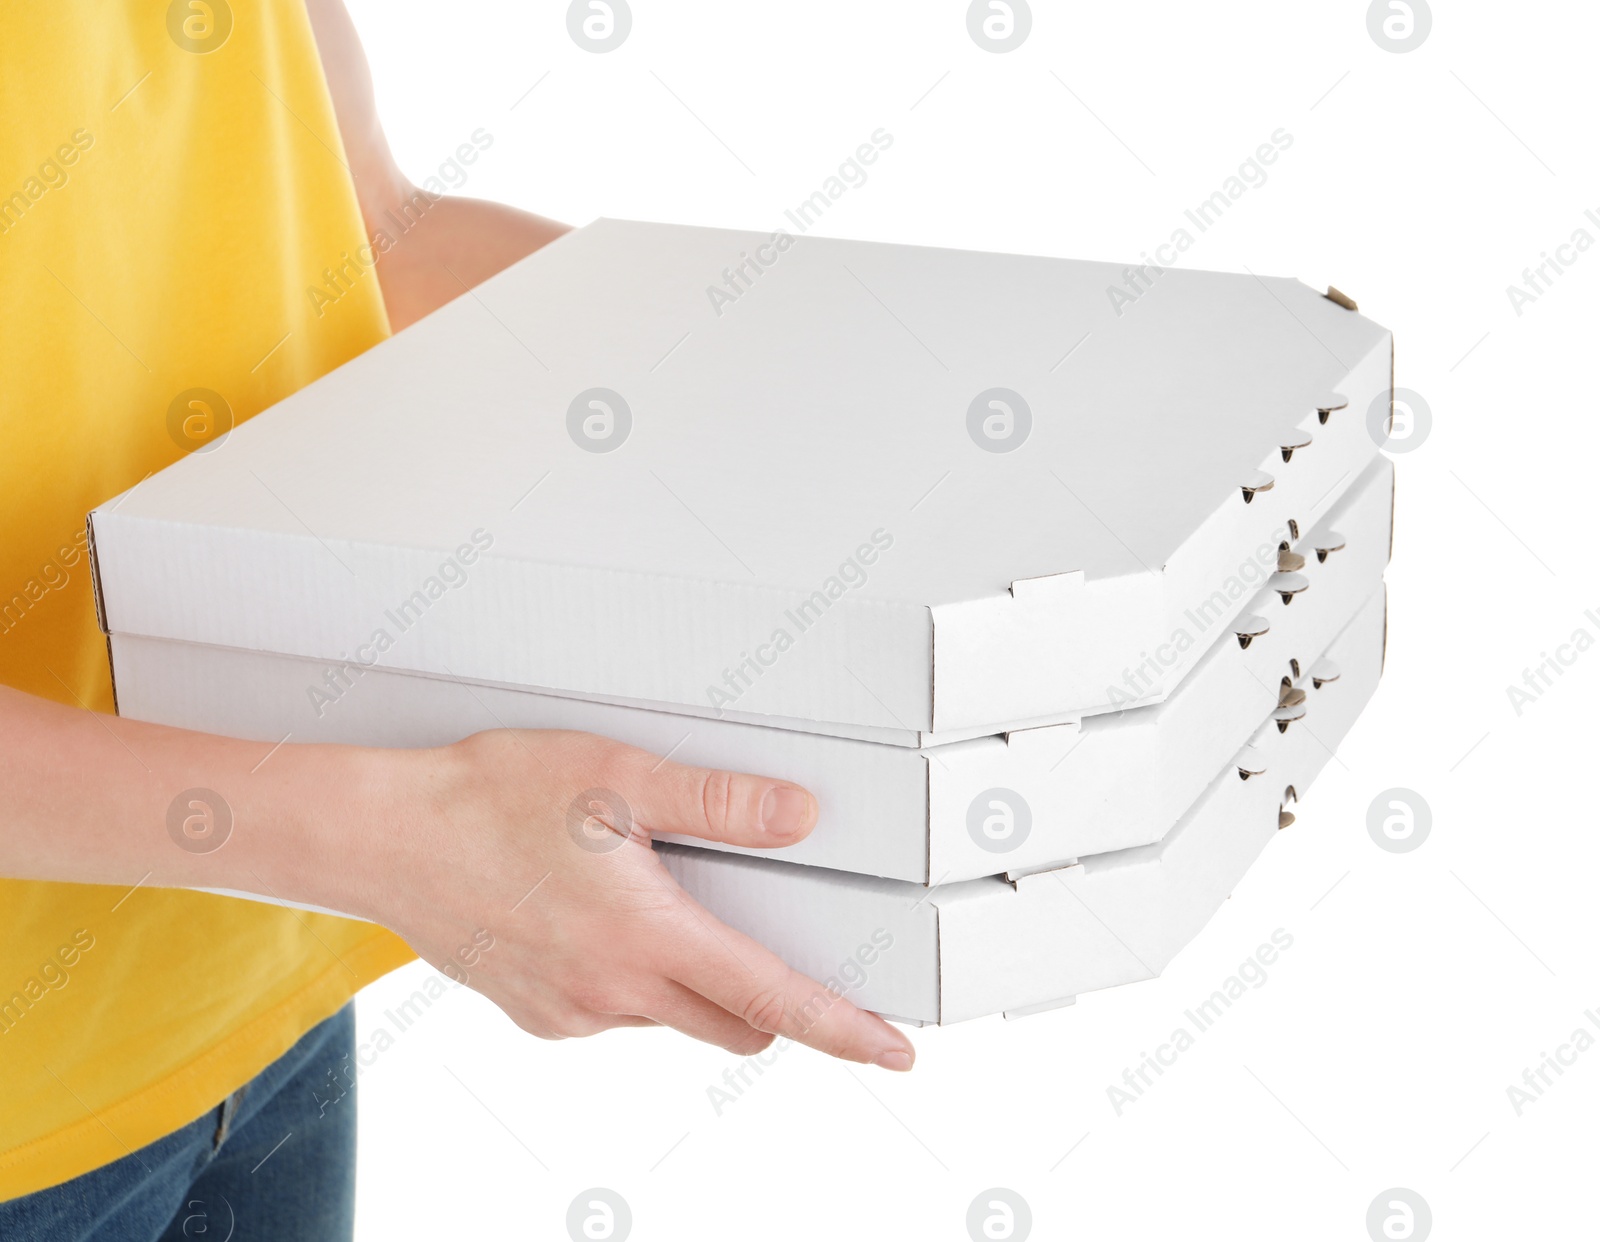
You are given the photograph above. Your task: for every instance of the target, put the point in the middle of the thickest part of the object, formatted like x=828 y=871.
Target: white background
x=1420 y=985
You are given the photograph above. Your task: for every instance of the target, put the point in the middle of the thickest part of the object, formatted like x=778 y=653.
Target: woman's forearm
x=101 y=800
x=456 y=244
x=431 y=249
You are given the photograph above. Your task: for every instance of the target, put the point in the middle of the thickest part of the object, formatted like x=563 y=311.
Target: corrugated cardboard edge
x=100 y=609
x=1395 y=485
x=111 y=663
x=94 y=577
x=1394 y=489
x=1383 y=658
x=927 y=821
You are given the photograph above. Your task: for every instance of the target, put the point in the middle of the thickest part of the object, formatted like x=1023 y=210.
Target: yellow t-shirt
x=172 y=181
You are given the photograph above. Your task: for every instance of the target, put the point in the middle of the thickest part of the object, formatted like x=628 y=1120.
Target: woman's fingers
x=731 y=807
x=684 y=1010
x=753 y=984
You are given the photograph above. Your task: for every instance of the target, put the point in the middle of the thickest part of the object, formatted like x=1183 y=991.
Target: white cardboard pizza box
x=1107 y=782
x=994 y=945
x=898 y=493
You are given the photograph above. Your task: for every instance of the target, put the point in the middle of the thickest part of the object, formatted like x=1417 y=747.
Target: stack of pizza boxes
x=1058 y=598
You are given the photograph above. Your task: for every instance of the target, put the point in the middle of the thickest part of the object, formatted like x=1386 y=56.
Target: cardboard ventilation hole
x=870 y=497
x=1299 y=441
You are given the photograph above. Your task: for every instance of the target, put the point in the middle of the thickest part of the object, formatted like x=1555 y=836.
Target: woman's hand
x=539 y=844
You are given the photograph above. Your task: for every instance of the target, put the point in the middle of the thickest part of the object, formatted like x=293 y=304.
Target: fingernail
x=784 y=810
x=894 y=1059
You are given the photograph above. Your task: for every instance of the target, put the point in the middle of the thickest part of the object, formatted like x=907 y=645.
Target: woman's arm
x=455 y=243
x=443 y=846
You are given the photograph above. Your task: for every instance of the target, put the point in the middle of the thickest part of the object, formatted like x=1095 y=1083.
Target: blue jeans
x=274 y=1161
